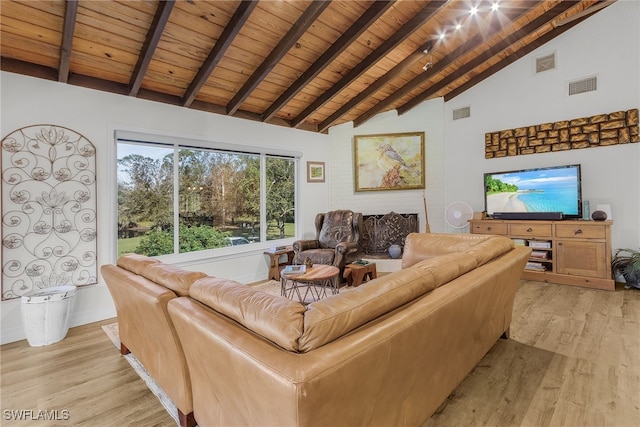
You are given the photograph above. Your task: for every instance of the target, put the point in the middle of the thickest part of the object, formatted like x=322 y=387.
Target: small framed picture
x=315 y=171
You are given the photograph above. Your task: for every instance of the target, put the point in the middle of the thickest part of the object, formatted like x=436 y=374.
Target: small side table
x=356 y=273
x=315 y=281
x=274 y=261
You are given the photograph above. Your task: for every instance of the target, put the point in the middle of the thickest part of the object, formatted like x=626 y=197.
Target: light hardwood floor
x=81 y=380
x=573 y=360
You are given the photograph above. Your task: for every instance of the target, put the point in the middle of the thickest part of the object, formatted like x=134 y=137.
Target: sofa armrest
x=346 y=248
x=303 y=245
x=147 y=331
x=346 y=252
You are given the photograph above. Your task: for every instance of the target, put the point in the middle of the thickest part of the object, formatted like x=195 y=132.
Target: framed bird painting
x=393 y=161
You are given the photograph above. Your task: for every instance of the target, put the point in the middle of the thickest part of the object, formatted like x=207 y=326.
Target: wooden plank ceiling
x=297 y=63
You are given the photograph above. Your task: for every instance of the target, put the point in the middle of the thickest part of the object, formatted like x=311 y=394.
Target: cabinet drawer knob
x=529 y=230
x=578 y=231
x=488 y=228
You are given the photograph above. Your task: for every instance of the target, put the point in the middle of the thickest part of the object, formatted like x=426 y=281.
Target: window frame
x=178 y=142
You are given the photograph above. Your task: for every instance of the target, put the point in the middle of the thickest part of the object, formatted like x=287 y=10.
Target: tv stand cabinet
x=567 y=252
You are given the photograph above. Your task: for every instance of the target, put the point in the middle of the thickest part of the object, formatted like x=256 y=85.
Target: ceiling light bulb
x=441 y=36
x=473 y=10
x=495 y=6
x=458 y=26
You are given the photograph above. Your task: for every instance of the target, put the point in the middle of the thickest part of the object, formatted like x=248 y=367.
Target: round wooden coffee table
x=315 y=282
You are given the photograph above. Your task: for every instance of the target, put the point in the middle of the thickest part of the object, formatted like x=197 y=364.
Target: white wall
x=29 y=101
x=607 y=45
x=427 y=118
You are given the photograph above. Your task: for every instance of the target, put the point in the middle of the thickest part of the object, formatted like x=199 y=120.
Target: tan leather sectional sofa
x=388 y=352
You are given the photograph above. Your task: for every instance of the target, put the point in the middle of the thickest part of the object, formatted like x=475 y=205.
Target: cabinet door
x=580 y=258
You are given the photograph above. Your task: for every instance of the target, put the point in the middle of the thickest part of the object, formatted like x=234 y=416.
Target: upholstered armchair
x=337 y=240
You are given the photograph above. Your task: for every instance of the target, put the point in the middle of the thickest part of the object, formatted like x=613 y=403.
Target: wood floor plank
x=544 y=402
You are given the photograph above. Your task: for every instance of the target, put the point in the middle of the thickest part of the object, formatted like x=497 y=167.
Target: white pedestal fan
x=458 y=214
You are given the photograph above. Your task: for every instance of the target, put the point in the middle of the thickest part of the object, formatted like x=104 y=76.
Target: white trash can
x=46 y=314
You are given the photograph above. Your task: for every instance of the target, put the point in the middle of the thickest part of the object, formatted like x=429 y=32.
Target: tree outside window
x=218 y=199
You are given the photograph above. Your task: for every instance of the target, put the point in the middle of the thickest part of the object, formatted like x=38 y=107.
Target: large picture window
x=177 y=199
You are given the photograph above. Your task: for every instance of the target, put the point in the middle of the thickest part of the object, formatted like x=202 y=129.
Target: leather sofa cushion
x=277 y=319
x=421 y=246
x=172 y=277
x=167 y=275
x=336 y=315
x=447 y=267
x=492 y=248
x=135 y=263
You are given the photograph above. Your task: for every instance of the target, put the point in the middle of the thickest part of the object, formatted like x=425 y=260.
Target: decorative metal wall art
x=48 y=210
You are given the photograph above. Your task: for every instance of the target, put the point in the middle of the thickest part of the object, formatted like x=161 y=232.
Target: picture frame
x=393 y=161
x=315 y=172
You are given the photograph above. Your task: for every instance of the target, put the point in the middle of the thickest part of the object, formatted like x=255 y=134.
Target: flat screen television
x=534 y=193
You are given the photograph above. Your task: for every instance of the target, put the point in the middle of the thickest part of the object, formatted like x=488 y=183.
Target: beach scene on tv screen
x=541 y=190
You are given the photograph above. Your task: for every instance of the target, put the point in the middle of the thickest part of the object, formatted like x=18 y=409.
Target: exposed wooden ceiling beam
x=17 y=66
x=380 y=52
x=148 y=48
x=343 y=42
x=588 y=11
x=416 y=81
x=510 y=59
x=438 y=67
x=230 y=32
x=49 y=54
x=306 y=20
x=71 y=9
x=532 y=26
x=377 y=85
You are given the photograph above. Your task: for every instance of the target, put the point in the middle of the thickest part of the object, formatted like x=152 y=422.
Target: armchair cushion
x=318 y=256
x=337 y=240
x=337 y=227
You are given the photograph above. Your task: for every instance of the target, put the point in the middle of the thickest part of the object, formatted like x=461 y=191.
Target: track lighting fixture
x=429 y=64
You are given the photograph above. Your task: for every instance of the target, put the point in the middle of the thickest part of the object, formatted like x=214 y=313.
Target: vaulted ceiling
x=297 y=63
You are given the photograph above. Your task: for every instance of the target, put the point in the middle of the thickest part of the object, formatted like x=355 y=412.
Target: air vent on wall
x=546 y=63
x=584 y=85
x=461 y=113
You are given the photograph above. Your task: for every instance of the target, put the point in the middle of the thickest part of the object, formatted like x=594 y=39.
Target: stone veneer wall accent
x=620 y=127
